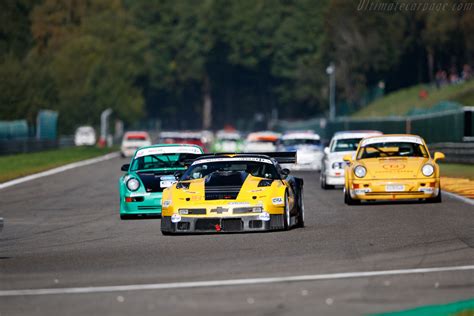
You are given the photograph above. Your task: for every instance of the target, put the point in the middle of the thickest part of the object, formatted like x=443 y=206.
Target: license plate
x=167 y=183
x=394 y=188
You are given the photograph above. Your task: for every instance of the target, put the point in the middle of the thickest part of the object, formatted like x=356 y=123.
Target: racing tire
x=437 y=199
x=348 y=199
x=286 y=215
x=324 y=185
x=165 y=233
x=126 y=217
x=300 y=218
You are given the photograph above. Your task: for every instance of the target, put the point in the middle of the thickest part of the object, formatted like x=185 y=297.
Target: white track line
x=58 y=170
x=459 y=197
x=216 y=283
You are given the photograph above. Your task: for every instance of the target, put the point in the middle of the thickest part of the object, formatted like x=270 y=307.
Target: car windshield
x=392 y=149
x=255 y=168
x=300 y=141
x=162 y=161
x=349 y=144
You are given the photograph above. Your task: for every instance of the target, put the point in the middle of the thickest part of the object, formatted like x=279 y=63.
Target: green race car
x=228 y=141
x=150 y=171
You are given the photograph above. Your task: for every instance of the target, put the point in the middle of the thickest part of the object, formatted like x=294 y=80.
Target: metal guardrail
x=455 y=152
x=29 y=145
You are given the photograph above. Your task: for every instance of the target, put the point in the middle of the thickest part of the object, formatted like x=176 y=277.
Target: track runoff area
x=64 y=248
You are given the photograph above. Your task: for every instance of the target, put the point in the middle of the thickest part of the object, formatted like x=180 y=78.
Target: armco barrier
x=455 y=152
x=447 y=126
x=10 y=147
x=28 y=145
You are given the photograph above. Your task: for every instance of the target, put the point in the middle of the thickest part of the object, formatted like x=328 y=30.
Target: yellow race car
x=234 y=193
x=392 y=167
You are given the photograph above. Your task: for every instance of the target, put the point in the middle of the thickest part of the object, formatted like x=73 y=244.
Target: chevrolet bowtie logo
x=219 y=210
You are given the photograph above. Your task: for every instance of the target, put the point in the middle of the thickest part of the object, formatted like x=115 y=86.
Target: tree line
x=208 y=63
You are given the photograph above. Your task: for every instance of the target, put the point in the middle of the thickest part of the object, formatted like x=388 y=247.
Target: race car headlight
x=360 y=171
x=265 y=183
x=133 y=184
x=338 y=165
x=427 y=170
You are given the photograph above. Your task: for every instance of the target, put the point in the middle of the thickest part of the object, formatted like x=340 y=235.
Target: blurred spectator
x=466 y=73
x=453 y=75
x=441 y=78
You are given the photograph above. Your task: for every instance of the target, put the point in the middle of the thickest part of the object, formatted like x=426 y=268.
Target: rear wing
x=283 y=157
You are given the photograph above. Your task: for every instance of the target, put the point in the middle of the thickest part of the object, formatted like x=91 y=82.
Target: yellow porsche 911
x=392 y=167
x=234 y=193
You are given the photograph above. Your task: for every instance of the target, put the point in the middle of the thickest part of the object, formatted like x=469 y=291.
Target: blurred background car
x=131 y=141
x=264 y=141
x=342 y=143
x=307 y=144
x=199 y=138
x=85 y=136
x=228 y=141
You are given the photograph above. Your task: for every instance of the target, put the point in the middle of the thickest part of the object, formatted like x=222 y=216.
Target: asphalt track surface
x=63 y=231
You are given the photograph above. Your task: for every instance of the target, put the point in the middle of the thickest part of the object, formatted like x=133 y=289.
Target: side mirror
x=178 y=174
x=347 y=158
x=125 y=167
x=438 y=155
x=326 y=150
x=285 y=172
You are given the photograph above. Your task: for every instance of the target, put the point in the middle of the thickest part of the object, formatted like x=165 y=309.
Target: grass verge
x=452 y=170
x=401 y=101
x=15 y=166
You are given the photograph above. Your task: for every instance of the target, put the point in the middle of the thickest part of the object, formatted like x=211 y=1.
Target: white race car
x=85 y=136
x=308 y=148
x=342 y=143
x=132 y=141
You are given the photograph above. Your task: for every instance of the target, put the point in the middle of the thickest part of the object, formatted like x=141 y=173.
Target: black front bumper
x=221 y=225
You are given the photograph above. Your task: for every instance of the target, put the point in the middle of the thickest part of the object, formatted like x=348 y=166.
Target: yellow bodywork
x=250 y=196
x=392 y=178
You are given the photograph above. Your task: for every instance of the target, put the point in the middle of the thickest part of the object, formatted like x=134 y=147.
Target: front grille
x=232 y=225
x=255 y=224
x=207 y=224
x=222 y=192
x=149 y=207
x=197 y=211
x=276 y=222
x=183 y=226
x=241 y=210
x=394 y=193
x=221 y=196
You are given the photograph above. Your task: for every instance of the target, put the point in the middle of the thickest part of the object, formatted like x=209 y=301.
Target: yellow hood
x=394 y=168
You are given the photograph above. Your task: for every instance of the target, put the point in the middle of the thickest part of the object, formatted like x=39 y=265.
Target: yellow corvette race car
x=392 y=167
x=234 y=193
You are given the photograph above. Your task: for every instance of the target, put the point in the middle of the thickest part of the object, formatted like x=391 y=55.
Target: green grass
x=401 y=101
x=15 y=166
x=457 y=170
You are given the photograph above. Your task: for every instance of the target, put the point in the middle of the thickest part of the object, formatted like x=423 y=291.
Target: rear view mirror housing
x=438 y=155
x=326 y=150
x=347 y=158
x=125 y=167
x=285 y=172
